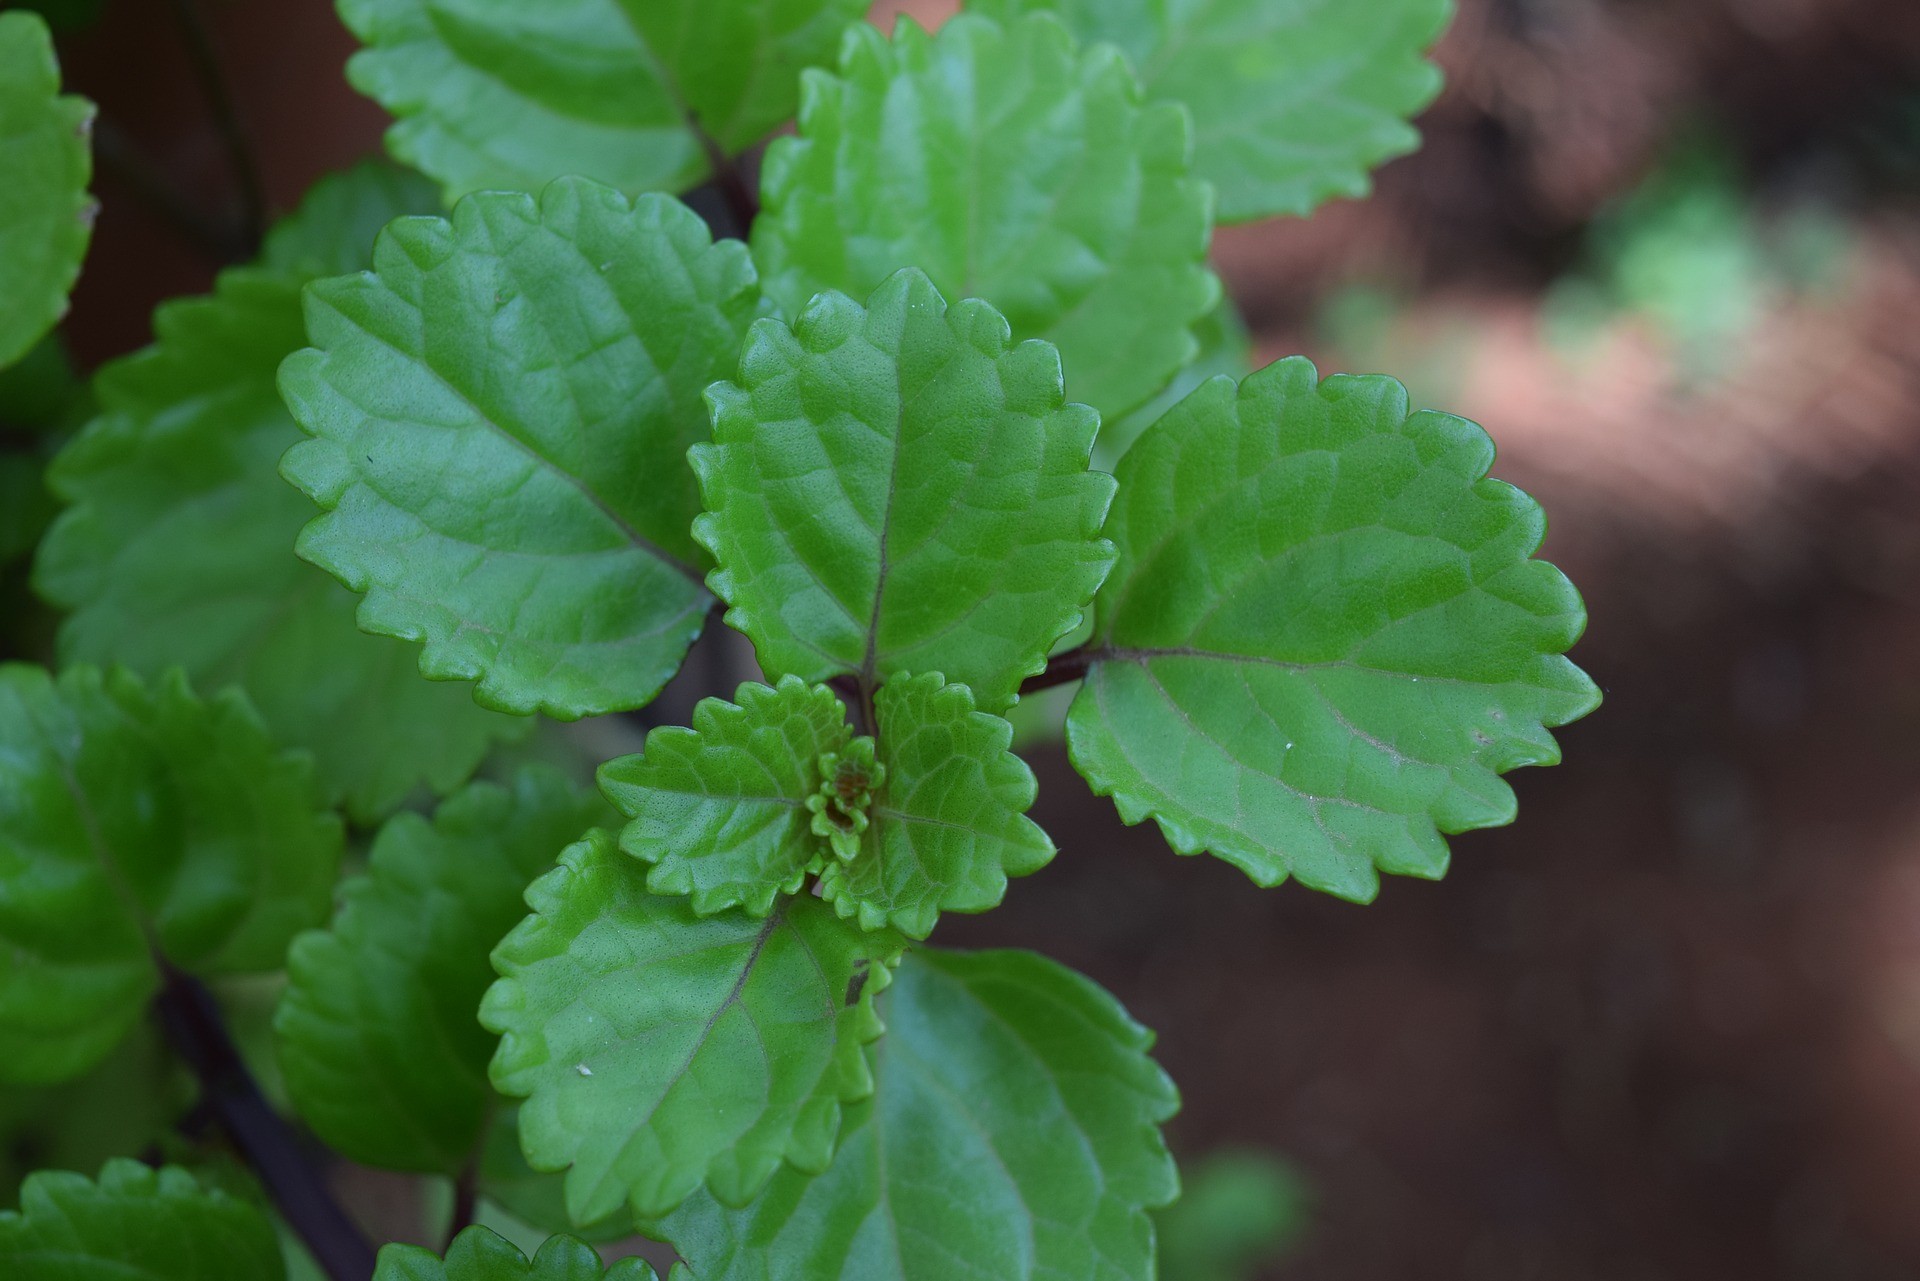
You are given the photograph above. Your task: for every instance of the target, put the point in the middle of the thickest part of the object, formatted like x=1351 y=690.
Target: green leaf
x=178 y=547
x=1292 y=102
x=135 y=1224
x=1013 y=1135
x=480 y=1255
x=136 y=824
x=949 y=826
x=500 y=93
x=720 y=810
x=1324 y=639
x=1226 y=349
x=656 y=1048
x=1239 y=1212
x=502 y=411
x=897 y=488
x=1010 y=166
x=46 y=216
x=376 y=1031
x=534 y=1198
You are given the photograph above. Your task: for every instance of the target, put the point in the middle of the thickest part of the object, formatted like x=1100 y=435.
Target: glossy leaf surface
x=134 y=1223
x=897 y=487
x=720 y=810
x=657 y=1049
x=1009 y=165
x=177 y=549
x=1013 y=1136
x=1325 y=638
x=506 y=94
x=138 y=823
x=480 y=1255
x=1293 y=101
x=46 y=216
x=376 y=1033
x=949 y=826
x=501 y=414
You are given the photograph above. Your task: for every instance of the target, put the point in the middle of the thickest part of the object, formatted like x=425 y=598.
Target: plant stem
x=1062 y=669
x=466 y=1200
x=742 y=205
x=193 y=1025
x=213 y=82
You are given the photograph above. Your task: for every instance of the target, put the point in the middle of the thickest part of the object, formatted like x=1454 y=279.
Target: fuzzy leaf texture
x=1008 y=165
x=501 y=412
x=139 y=824
x=177 y=549
x=1013 y=1136
x=505 y=94
x=134 y=1224
x=480 y=1255
x=657 y=1049
x=898 y=487
x=46 y=216
x=720 y=810
x=1325 y=638
x=949 y=825
x=1293 y=101
x=376 y=1032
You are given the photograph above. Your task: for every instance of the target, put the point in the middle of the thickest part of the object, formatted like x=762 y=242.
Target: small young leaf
x=502 y=93
x=376 y=1031
x=949 y=826
x=1292 y=103
x=136 y=1223
x=46 y=216
x=1013 y=1135
x=178 y=547
x=138 y=825
x=720 y=810
x=1324 y=639
x=480 y=1255
x=1009 y=166
x=656 y=1048
x=898 y=488
x=502 y=410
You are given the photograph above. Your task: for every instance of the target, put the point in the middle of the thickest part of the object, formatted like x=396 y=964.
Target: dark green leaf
x=46 y=216
x=376 y=1031
x=1013 y=1136
x=135 y=1224
x=1011 y=166
x=1293 y=101
x=949 y=826
x=1324 y=639
x=720 y=810
x=897 y=488
x=656 y=1048
x=135 y=824
x=502 y=411
x=502 y=93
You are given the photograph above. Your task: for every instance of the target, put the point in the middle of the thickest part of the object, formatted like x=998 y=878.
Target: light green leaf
x=656 y=1048
x=1013 y=1136
x=178 y=547
x=502 y=411
x=897 y=488
x=1226 y=349
x=480 y=1255
x=1293 y=101
x=376 y=1031
x=501 y=93
x=46 y=216
x=135 y=1224
x=1008 y=165
x=949 y=826
x=1324 y=640
x=720 y=810
x=533 y=1198
x=139 y=824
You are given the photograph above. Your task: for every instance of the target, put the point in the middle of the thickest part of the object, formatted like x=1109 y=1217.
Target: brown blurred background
x=1668 y=1026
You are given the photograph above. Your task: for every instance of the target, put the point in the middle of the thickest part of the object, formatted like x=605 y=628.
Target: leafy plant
x=546 y=441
